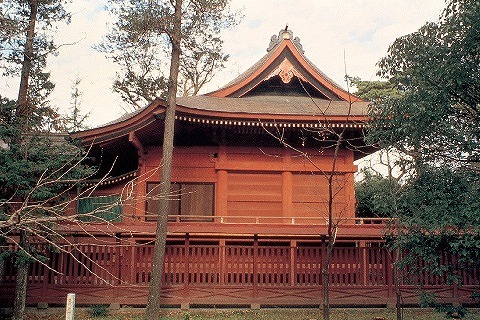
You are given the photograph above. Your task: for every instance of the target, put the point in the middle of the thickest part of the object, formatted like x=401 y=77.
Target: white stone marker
x=70 y=309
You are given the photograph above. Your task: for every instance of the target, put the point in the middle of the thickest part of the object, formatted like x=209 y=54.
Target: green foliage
x=435 y=122
x=15 y=16
x=428 y=300
x=375 y=90
x=14 y=20
x=374 y=196
x=98 y=310
x=31 y=151
x=439 y=211
x=437 y=118
x=476 y=296
x=75 y=121
x=441 y=197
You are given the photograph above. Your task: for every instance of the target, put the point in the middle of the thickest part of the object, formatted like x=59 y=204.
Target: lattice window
x=101 y=208
x=192 y=200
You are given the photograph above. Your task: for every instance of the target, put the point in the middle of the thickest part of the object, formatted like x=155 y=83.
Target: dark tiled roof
x=274 y=105
x=124 y=117
x=249 y=71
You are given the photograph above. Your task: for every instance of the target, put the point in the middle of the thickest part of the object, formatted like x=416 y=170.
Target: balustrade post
x=255 y=266
x=221 y=263
x=44 y=276
x=293 y=261
x=118 y=280
x=363 y=260
x=455 y=275
x=187 y=265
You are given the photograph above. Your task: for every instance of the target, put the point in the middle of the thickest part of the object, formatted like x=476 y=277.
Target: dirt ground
x=240 y=314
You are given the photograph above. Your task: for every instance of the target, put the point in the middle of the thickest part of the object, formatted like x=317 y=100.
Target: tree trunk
x=21 y=280
x=22 y=111
x=396 y=279
x=154 y=303
x=22 y=114
x=326 y=290
x=3 y=248
x=331 y=230
x=326 y=270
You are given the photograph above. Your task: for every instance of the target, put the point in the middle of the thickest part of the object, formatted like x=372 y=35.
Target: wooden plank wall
x=255 y=182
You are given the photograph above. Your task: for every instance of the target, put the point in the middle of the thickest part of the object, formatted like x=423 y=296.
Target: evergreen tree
x=75 y=120
x=435 y=124
x=33 y=147
x=139 y=43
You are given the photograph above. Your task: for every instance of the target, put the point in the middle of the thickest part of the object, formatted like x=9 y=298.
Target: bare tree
x=31 y=223
x=333 y=138
x=389 y=165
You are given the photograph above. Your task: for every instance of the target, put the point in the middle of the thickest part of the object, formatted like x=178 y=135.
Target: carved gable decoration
x=286 y=71
x=285 y=58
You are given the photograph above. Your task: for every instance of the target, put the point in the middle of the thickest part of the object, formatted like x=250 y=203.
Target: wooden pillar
x=222 y=185
x=287 y=194
x=287 y=188
x=388 y=271
x=323 y=250
x=118 y=270
x=141 y=186
x=350 y=196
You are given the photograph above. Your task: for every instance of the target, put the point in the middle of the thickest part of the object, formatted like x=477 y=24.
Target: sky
x=337 y=35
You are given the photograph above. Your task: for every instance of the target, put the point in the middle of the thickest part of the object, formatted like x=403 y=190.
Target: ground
x=241 y=314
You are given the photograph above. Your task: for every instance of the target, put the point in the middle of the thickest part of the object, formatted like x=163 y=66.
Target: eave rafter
x=269 y=123
x=133 y=139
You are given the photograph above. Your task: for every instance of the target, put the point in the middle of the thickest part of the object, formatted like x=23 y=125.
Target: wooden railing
x=222 y=273
x=273 y=220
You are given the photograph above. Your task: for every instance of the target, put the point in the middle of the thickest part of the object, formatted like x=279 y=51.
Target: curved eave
x=122 y=126
x=270 y=58
x=155 y=110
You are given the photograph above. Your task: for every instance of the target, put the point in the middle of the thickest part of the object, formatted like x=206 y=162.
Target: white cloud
x=363 y=29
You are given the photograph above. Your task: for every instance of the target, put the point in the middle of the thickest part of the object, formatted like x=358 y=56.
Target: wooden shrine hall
x=249 y=200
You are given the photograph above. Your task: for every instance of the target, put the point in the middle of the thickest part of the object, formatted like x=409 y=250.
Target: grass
x=245 y=314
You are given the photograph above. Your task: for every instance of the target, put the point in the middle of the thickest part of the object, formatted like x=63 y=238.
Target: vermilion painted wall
x=254 y=182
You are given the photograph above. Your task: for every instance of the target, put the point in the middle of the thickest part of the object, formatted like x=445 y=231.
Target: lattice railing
x=248 y=264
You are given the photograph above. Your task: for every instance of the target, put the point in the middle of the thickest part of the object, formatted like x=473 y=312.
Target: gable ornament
x=286 y=71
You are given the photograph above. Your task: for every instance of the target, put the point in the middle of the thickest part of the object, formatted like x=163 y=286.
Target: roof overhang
x=153 y=115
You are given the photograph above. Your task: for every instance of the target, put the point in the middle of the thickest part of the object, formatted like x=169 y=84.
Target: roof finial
x=284 y=34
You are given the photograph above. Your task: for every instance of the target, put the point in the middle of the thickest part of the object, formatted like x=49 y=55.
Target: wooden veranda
x=244 y=271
